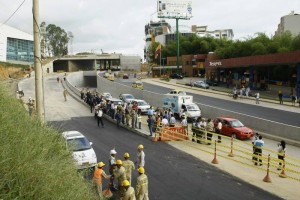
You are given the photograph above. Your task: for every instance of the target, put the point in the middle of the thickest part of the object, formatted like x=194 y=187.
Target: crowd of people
x=121 y=173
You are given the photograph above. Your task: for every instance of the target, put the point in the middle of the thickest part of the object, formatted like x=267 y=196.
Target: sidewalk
x=286 y=188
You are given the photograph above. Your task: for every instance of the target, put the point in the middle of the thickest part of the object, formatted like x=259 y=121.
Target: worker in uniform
x=129 y=166
x=112 y=165
x=120 y=175
x=140 y=161
x=65 y=93
x=99 y=173
x=141 y=189
x=129 y=193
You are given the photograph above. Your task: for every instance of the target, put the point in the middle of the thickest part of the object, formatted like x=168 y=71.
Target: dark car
x=176 y=76
x=125 y=76
x=211 y=83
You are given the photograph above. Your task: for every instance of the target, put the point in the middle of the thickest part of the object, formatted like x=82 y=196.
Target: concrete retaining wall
x=273 y=129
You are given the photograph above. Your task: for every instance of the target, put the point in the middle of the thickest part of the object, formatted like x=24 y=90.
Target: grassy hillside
x=34 y=163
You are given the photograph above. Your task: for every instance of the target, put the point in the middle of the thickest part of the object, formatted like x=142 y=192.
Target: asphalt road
x=280 y=116
x=172 y=174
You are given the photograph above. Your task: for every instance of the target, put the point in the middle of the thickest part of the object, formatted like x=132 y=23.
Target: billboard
x=174 y=9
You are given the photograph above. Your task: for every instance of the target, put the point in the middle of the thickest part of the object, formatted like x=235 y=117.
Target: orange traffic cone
x=282 y=174
x=215 y=160
x=267 y=177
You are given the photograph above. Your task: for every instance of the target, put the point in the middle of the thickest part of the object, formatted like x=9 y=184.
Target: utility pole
x=38 y=63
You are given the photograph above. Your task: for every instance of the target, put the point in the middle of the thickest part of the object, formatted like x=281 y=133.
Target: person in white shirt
x=218 y=130
x=172 y=121
x=164 y=121
x=184 y=121
x=257 y=98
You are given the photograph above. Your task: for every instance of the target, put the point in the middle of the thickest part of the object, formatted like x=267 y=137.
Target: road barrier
x=243 y=153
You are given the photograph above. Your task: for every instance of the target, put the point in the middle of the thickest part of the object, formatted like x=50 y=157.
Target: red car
x=234 y=128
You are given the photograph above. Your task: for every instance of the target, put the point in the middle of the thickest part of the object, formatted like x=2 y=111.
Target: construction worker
x=141 y=189
x=112 y=165
x=97 y=179
x=65 y=93
x=140 y=161
x=129 y=191
x=120 y=175
x=129 y=166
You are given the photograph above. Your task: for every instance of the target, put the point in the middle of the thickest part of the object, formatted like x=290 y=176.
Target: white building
x=15 y=46
x=290 y=22
x=202 y=31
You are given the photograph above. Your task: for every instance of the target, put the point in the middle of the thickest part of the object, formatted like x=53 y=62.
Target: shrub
x=34 y=162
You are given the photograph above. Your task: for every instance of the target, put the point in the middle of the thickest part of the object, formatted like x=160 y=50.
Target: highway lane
x=271 y=114
x=172 y=173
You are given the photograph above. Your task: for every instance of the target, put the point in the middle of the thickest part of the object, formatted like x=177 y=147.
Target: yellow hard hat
x=141 y=170
x=101 y=164
x=119 y=162
x=125 y=183
x=140 y=146
x=126 y=155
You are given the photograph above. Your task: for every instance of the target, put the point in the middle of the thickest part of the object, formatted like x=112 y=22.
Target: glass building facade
x=19 y=50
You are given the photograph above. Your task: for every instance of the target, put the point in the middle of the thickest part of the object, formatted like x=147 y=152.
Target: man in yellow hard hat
x=129 y=166
x=97 y=179
x=119 y=174
x=129 y=193
x=140 y=161
x=142 y=185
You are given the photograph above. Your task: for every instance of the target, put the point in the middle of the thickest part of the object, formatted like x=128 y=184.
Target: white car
x=127 y=98
x=143 y=106
x=83 y=154
x=106 y=95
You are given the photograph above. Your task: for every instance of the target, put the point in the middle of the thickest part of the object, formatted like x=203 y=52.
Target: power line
x=13 y=13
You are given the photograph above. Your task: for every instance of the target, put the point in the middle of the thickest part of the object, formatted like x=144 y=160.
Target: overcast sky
x=118 y=25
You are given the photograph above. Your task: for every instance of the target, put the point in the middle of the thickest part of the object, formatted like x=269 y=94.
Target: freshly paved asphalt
x=276 y=115
x=172 y=174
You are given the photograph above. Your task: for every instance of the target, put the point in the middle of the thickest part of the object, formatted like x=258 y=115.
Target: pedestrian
x=99 y=173
x=139 y=120
x=65 y=93
x=112 y=165
x=195 y=129
x=133 y=116
x=219 y=130
x=281 y=153
x=258 y=150
x=164 y=122
x=255 y=137
x=209 y=129
x=172 y=121
x=57 y=79
x=118 y=118
x=99 y=116
x=141 y=189
x=280 y=95
x=247 y=91
x=293 y=99
x=127 y=116
x=129 y=193
x=257 y=98
x=129 y=166
x=82 y=93
x=30 y=106
x=150 y=123
x=150 y=111
x=183 y=122
x=120 y=175
x=140 y=161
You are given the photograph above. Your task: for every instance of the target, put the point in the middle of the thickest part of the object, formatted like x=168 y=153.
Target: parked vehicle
x=83 y=153
x=201 y=84
x=234 y=128
x=125 y=76
x=211 y=83
x=111 y=77
x=143 y=106
x=176 y=76
x=177 y=92
x=181 y=104
x=127 y=98
x=106 y=95
x=138 y=85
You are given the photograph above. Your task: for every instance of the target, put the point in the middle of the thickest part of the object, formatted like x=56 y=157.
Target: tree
x=55 y=40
